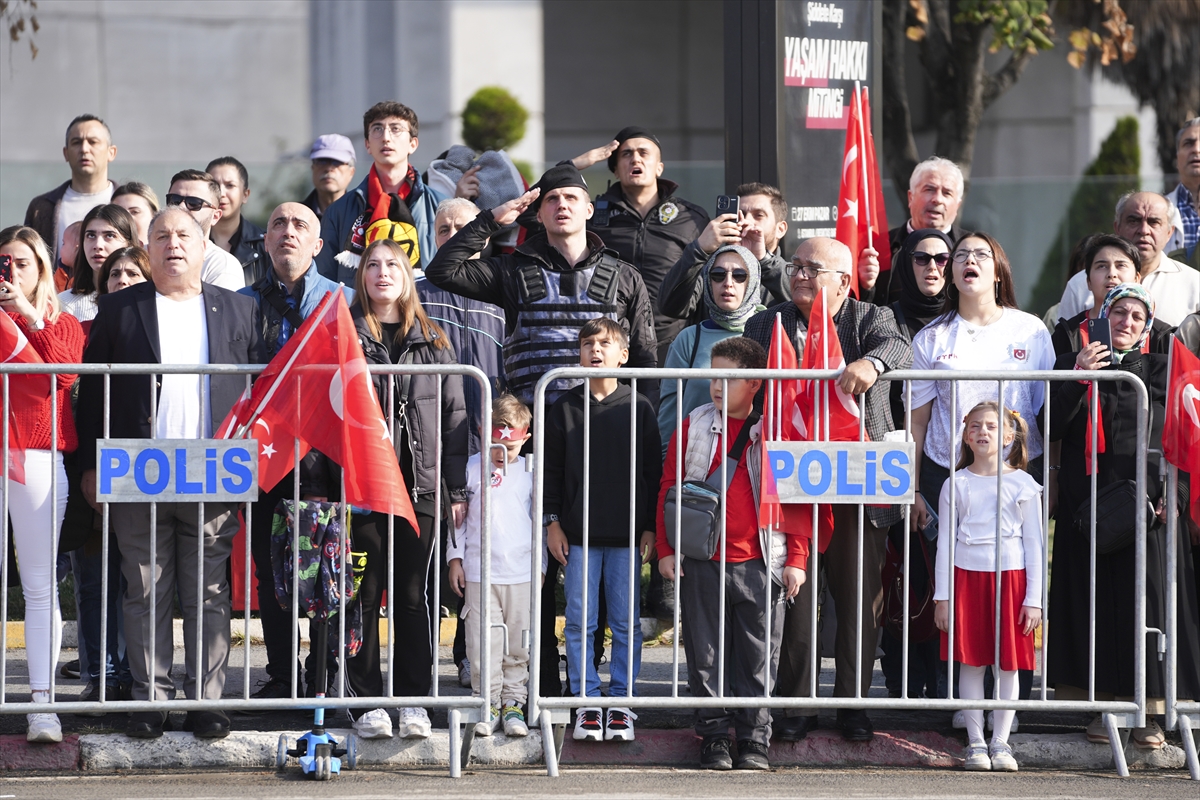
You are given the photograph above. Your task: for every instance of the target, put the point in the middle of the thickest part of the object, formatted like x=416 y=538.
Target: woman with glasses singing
x=732 y=277
x=980 y=328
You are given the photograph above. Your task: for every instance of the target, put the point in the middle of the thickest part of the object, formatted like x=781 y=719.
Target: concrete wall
x=431 y=56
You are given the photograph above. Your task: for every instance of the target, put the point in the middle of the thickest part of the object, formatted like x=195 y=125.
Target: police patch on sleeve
x=667 y=212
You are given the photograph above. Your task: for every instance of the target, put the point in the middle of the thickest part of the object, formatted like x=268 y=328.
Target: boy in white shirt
x=512 y=543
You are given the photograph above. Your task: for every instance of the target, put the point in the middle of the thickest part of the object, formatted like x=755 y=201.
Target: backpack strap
x=735 y=452
x=272 y=294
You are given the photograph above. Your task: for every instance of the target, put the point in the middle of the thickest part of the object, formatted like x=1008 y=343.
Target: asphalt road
x=606 y=783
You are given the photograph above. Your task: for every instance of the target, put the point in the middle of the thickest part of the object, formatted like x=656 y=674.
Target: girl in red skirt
x=971 y=529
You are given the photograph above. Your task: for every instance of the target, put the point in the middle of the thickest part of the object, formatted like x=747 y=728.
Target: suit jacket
x=863 y=330
x=125 y=331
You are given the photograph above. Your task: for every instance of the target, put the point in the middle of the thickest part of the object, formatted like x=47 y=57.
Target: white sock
x=970 y=687
x=1007 y=688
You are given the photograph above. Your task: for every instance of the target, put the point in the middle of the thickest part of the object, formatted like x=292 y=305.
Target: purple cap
x=335 y=146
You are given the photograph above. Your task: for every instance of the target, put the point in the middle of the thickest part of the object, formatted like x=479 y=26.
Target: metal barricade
x=552 y=713
x=1181 y=714
x=462 y=709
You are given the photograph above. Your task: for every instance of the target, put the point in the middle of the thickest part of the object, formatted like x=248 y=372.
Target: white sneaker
x=990 y=722
x=414 y=724
x=1002 y=757
x=959 y=721
x=588 y=727
x=618 y=727
x=464 y=674
x=977 y=759
x=43 y=728
x=374 y=725
x=514 y=720
x=488 y=727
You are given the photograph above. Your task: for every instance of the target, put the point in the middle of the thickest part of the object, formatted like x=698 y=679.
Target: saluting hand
x=507 y=213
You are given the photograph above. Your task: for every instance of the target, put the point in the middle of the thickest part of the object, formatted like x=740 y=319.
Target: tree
x=493 y=119
x=954 y=37
x=15 y=14
x=1165 y=34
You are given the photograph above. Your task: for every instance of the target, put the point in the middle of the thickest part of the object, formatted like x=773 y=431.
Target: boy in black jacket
x=612 y=518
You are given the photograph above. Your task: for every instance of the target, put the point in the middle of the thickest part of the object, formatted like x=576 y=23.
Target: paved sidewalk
x=1046 y=739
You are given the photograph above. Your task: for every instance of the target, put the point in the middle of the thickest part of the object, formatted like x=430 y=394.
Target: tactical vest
x=553 y=307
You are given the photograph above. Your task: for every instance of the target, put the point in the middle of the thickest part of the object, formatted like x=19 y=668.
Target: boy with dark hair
x=601 y=540
x=702 y=446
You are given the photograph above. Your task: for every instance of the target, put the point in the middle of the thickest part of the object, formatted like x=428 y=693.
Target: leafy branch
x=20 y=16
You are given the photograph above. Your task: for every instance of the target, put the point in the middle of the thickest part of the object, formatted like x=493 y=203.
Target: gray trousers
x=177 y=550
x=745 y=642
x=839 y=563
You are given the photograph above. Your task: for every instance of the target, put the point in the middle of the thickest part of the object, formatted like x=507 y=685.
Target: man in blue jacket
x=391 y=203
x=289 y=291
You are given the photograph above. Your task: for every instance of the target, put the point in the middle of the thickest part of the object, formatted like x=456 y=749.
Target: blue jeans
x=89 y=572
x=610 y=564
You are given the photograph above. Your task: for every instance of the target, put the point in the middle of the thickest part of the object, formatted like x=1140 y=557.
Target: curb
x=677 y=748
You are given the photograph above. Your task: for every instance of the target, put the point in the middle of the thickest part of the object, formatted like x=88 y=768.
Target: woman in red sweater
x=29 y=300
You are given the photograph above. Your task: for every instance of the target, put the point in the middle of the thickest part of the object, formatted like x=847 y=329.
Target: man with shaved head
x=290 y=290
x=872 y=344
x=174 y=318
x=1144 y=220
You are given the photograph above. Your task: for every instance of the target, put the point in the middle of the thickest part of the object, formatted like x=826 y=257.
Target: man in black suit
x=872 y=345
x=173 y=319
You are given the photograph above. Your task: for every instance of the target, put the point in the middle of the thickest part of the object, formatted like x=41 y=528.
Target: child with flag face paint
x=511 y=556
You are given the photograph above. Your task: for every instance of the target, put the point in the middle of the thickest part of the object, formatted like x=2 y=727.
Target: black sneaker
x=714 y=753
x=752 y=755
x=91 y=694
x=273 y=689
x=69 y=669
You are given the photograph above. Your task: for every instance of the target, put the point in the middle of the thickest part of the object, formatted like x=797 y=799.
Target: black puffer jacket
x=425 y=421
x=652 y=244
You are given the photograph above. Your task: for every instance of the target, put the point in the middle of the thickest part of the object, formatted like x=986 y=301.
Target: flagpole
x=865 y=196
x=321 y=307
x=825 y=355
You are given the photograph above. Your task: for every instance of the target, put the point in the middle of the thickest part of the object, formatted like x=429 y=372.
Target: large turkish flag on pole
x=1181 y=430
x=823 y=350
x=318 y=390
x=862 y=218
x=23 y=391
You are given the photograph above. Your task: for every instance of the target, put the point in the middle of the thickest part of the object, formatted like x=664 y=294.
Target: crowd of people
x=458 y=266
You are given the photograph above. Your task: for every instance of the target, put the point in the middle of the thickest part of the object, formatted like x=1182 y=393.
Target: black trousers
x=415 y=611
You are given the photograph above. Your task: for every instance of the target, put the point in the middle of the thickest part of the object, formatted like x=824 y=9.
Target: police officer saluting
x=641 y=218
x=550 y=285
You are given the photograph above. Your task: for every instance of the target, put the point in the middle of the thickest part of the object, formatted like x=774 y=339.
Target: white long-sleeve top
x=512 y=525
x=974 y=529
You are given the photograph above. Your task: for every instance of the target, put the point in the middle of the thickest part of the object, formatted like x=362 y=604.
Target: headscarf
x=919 y=310
x=734 y=320
x=1137 y=292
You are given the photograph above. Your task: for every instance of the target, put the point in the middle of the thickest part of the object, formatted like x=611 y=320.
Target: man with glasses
x=872 y=345
x=200 y=195
x=392 y=202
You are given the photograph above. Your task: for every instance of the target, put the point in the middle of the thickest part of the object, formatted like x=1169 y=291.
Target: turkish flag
x=862 y=218
x=23 y=391
x=1181 y=430
x=823 y=350
x=782 y=421
x=317 y=389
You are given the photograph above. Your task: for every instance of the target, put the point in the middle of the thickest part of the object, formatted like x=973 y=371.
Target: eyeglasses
x=923 y=259
x=395 y=129
x=718 y=275
x=188 y=202
x=960 y=256
x=806 y=270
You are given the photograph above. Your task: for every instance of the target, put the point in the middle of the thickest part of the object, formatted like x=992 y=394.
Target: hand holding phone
x=1097 y=354
x=727 y=204
x=6 y=267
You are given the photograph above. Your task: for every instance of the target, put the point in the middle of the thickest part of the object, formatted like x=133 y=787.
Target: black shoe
x=147 y=724
x=69 y=669
x=752 y=755
x=794 y=729
x=207 y=724
x=855 y=726
x=714 y=753
x=125 y=691
x=274 y=689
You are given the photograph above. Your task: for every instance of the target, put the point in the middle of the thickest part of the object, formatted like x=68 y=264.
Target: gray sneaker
x=1002 y=757
x=464 y=674
x=977 y=759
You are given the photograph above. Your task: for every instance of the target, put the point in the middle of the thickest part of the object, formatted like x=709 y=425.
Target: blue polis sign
x=875 y=473
x=176 y=470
